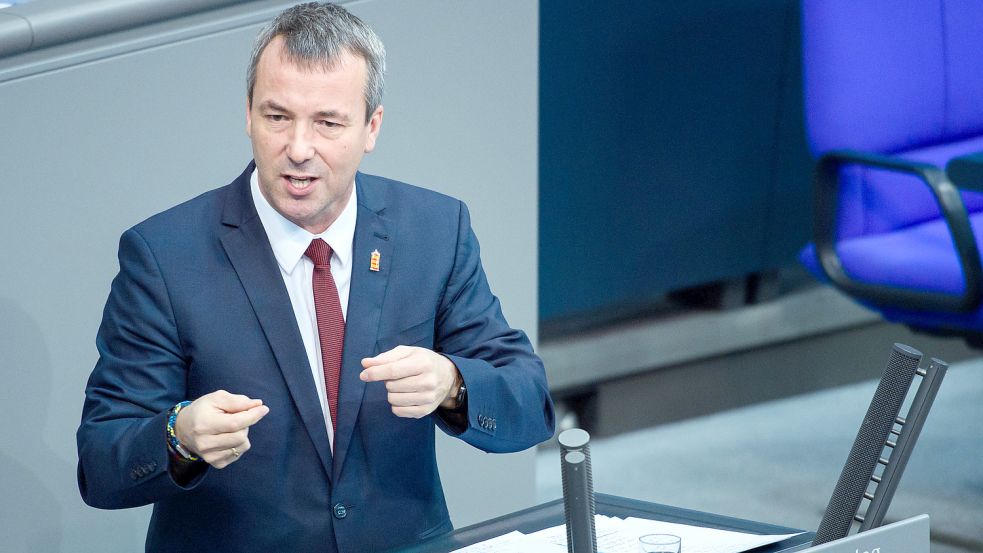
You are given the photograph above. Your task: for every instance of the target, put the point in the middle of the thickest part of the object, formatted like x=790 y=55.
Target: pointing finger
x=396 y=370
x=233 y=403
x=233 y=422
x=395 y=354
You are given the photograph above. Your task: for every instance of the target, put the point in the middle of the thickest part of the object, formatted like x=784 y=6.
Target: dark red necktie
x=330 y=322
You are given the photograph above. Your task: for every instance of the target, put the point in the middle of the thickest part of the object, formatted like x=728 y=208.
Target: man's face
x=309 y=134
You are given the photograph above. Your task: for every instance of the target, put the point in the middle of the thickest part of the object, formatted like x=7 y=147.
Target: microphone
x=578 y=491
x=851 y=488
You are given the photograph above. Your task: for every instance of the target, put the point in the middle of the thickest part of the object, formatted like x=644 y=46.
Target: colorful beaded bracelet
x=172 y=437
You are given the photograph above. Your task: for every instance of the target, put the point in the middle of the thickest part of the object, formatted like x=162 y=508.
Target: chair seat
x=920 y=257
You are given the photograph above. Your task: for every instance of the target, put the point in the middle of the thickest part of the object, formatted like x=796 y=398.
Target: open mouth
x=299 y=183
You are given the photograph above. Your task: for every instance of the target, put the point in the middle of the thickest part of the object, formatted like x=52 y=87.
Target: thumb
x=234 y=403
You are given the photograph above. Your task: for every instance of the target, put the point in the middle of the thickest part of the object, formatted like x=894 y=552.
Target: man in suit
x=275 y=353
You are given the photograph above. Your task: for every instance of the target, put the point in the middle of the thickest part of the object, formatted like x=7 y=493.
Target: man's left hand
x=418 y=380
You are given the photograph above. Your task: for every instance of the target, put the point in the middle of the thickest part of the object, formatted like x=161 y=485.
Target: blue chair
x=894 y=93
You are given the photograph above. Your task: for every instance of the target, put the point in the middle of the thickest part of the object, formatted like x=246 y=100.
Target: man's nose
x=300 y=148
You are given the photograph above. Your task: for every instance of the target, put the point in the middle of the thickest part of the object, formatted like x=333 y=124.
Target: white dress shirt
x=289 y=243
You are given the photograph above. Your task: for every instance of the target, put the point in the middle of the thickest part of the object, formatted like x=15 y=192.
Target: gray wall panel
x=59 y=21
x=92 y=146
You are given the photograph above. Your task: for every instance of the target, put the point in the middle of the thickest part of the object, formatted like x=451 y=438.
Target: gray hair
x=315 y=34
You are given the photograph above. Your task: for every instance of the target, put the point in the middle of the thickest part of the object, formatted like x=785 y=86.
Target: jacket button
x=340 y=511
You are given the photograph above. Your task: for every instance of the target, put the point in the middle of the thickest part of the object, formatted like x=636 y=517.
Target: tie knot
x=320 y=253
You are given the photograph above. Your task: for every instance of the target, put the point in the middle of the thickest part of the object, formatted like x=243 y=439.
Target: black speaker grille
x=869 y=444
x=578 y=488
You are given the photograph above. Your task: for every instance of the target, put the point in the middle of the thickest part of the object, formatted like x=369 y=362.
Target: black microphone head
x=908 y=351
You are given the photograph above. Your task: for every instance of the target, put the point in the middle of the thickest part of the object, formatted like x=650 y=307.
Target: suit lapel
x=249 y=250
x=365 y=298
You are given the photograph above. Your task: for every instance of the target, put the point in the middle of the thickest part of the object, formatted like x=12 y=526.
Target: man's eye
x=328 y=124
x=276 y=118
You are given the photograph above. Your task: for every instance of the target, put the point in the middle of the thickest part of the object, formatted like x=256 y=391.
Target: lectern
x=551 y=514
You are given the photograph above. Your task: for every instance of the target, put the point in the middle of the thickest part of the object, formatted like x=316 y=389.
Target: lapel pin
x=374 y=262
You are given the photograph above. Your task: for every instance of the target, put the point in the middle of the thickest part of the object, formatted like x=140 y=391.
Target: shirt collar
x=289 y=241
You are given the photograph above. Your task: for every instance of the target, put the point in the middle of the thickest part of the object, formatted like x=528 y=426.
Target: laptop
x=905 y=536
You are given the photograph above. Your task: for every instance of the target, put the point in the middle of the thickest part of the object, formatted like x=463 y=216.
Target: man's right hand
x=215 y=426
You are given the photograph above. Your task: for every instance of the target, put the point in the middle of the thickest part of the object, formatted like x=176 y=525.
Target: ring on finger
x=235 y=453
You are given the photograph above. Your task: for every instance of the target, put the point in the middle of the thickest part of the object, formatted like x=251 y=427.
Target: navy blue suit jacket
x=199 y=305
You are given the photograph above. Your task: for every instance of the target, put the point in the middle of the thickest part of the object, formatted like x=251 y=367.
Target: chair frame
x=826 y=205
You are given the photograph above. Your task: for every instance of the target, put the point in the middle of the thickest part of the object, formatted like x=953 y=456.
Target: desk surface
x=551 y=514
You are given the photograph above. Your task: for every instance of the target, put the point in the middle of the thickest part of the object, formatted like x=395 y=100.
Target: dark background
x=672 y=150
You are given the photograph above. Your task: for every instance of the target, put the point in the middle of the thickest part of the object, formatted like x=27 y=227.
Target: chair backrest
x=897 y=77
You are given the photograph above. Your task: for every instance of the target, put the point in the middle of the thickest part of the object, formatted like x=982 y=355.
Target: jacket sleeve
x=140 y=374
x=509 y=405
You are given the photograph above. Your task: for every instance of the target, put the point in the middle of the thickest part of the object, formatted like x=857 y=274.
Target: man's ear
x=249 y=118
x=374 y=124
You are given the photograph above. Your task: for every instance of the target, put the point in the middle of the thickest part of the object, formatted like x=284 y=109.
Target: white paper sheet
x=607 y=529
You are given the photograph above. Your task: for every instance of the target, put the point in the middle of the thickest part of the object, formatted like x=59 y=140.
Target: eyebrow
x=332 y=114
x=270 y=104
x=323 y=114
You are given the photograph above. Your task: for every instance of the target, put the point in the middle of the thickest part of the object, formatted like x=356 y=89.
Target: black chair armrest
x=953 y=211
x=966 y=172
